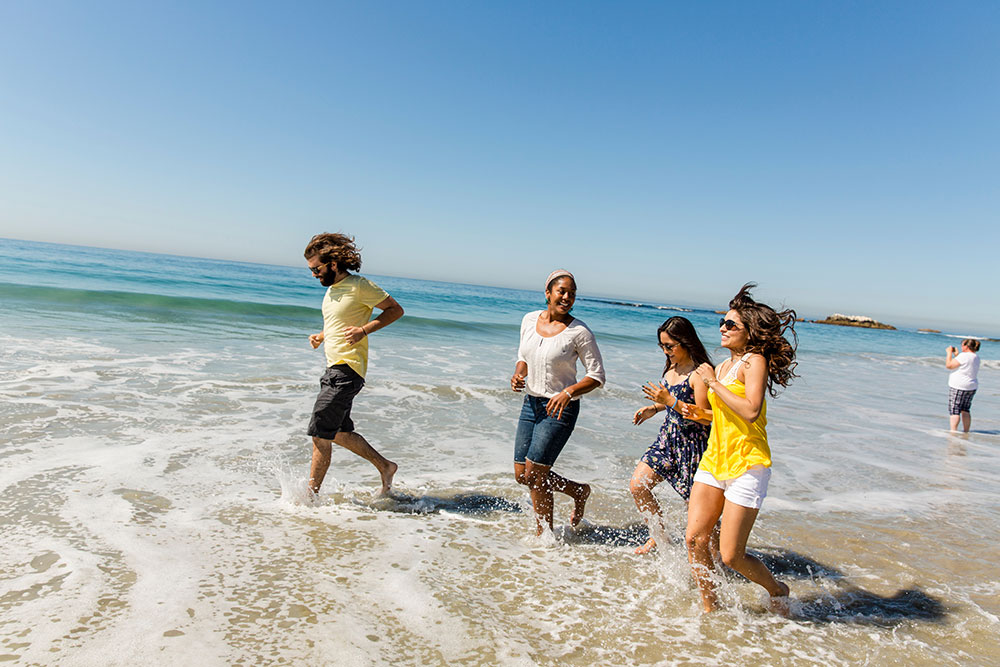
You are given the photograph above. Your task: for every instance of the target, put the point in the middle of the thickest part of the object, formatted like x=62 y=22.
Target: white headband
x=558 y=273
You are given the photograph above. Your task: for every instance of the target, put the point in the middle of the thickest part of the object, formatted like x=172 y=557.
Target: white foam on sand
x=167 y=491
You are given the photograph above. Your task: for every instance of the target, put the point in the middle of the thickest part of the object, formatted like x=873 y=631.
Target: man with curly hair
x=347 y=324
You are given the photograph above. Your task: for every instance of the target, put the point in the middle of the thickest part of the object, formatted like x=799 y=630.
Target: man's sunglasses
x=316 y=269
x=729 y=324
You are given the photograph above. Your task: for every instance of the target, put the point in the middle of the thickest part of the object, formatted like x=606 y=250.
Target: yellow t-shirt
x=349 y=303
x=733 y=444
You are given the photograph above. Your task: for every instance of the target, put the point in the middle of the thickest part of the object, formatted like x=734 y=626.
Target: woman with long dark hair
x=732 y=478
x=675 y=454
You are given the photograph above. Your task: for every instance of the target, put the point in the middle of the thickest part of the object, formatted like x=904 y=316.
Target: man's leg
x=966 y=421
x=354 y=442
x=332 y=414
x=953 y=422
x=320 y=462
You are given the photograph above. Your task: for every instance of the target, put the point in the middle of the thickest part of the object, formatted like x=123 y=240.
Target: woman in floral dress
x=675 y=454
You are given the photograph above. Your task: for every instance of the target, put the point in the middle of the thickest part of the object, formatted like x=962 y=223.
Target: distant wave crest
x=140 y=303
x=638 y=304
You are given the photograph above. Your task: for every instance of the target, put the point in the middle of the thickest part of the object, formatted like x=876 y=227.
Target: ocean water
x=153 y=464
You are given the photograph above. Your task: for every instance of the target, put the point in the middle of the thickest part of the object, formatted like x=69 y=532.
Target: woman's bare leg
x=737 y=521
x=578 y=491
x=704 y=510
x=519 y=473
x=529 y=473
x=644 y=479
x=537 y=477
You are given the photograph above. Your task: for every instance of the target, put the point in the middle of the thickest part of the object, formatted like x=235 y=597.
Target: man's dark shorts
x=332 y=412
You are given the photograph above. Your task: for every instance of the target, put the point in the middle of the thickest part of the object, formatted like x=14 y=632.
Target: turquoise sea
x=153 y=462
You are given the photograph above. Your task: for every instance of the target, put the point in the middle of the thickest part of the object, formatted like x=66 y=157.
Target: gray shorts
x=332 y=411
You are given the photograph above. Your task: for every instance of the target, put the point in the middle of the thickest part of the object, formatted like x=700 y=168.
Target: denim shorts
x=332 y=411
x=540 y=437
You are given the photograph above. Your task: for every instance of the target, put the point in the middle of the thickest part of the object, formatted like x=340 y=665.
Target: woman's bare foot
x=648 y=547
x=579 y=505
x=387 y=473
x=780 y=603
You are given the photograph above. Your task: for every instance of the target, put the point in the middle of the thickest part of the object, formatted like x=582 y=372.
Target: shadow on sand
x=845 y=604
x=848 y=604
x=856 y=605
x=587 y=533
x=472 y=504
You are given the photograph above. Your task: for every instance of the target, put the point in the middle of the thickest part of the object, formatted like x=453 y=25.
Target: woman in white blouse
x=551 y=342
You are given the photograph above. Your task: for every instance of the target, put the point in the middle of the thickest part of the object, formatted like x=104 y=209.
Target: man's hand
x=353 y=334
x=316 y=339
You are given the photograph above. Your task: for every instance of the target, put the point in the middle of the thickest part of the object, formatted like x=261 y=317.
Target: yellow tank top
x=733 y=444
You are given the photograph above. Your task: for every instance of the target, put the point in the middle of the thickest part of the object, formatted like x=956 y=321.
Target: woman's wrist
x=565 y=391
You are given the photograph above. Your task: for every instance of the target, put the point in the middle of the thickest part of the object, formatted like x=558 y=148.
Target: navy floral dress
x=677 y=451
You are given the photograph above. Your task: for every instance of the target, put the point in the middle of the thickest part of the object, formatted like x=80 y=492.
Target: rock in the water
x=854 y=321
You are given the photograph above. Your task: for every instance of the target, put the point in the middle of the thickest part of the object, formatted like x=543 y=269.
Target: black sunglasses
x=316 y=269
x=666 y=346
x=729 y=324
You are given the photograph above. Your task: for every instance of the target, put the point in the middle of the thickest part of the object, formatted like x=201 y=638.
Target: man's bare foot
x=579 y=505
x=780 y=603
x=387 y=474
x=648 y=547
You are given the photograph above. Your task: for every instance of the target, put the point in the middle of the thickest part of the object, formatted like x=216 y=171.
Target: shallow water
x=153 y=506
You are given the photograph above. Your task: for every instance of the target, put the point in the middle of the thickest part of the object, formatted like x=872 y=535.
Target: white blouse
x=552 y=361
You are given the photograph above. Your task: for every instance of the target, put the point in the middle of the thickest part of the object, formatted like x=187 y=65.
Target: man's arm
x=391 y=311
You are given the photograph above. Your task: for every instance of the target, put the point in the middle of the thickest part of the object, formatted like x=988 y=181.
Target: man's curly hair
x=337 y=248
x=766 y=330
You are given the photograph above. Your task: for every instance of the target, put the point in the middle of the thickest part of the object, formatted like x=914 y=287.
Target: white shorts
x=747 y=490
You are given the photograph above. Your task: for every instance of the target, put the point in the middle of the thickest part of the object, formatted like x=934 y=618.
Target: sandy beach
x=154 y=508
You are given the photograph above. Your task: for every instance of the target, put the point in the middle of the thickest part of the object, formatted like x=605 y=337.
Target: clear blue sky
x=845 y=155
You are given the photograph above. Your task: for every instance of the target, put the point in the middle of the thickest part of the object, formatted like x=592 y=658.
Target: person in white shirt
x=962 y=383
x=552 y=341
